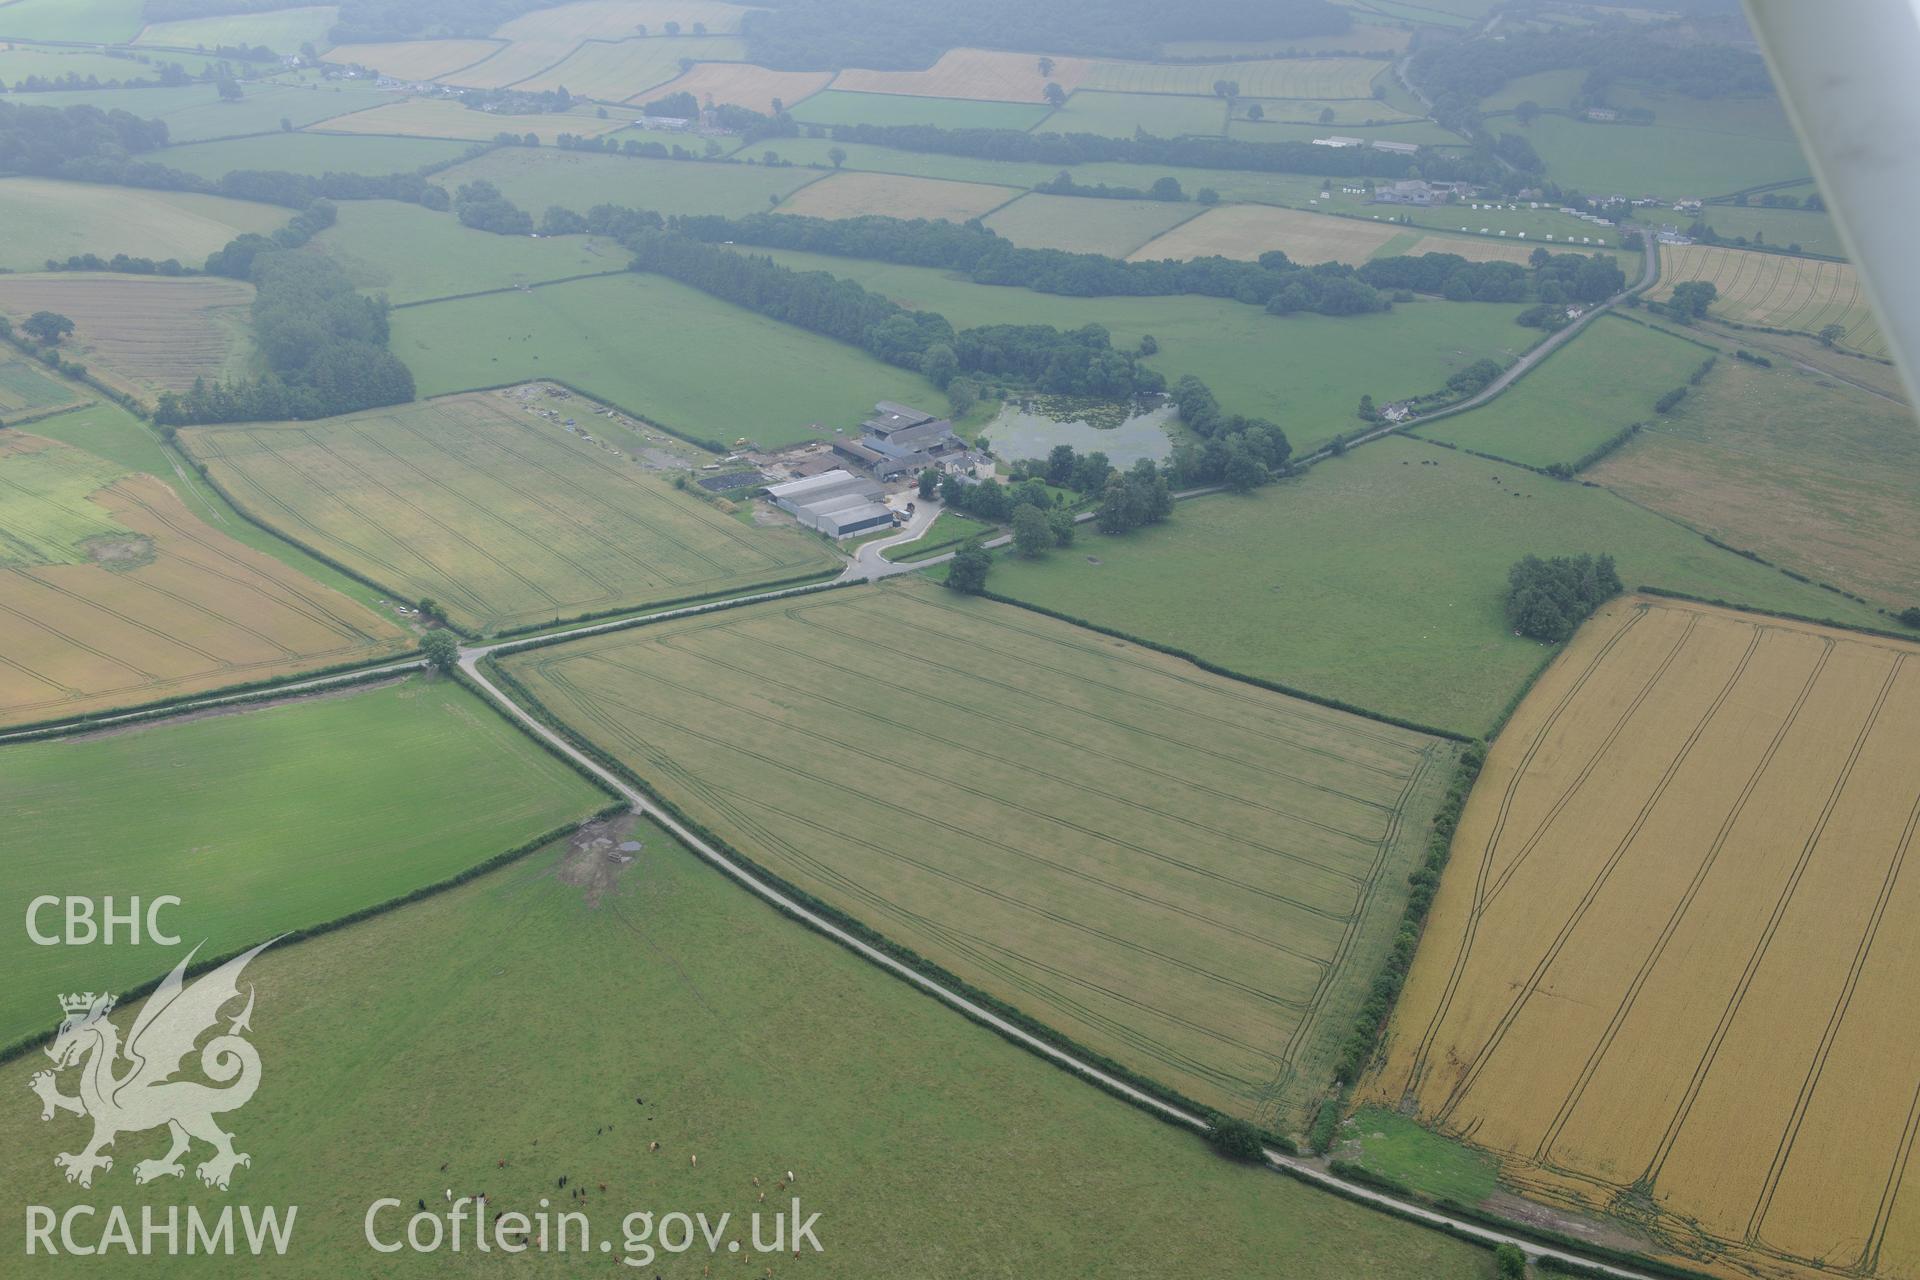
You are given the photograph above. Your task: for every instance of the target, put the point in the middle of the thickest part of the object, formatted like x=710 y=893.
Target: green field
x=88 y=21
x=1659 y=159
x=496 y=511
x=1399 y=1148
x=495 y=1037
x=1812 y=474
x=1543 y=89
x=659 y=350
x=1389 y=129
x=265 y=820
x=1190 y=875
x=1377 y=578
x=26 y=390
x=412 y=254
x=1812 y=230
x=50 y=219
x=1120 y=115
x=535 y=178
x=310 y=153
x=281 y=30
x=1305 y=372
x=1080 y=224
x=1583 y=395
x=834 y=106
x=17 y=62
x=614 y=71
x=195 y=113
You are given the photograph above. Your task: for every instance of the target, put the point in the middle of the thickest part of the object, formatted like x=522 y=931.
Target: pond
x=1017 y=434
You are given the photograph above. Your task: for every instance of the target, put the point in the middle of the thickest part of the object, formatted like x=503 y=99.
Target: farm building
x=1338 y=141
x=894 y=427
x=1398 y=148
x=1411 y=191
x=837 y=503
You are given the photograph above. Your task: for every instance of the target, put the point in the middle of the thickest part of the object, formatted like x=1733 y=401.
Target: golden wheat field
x=143 y=334
x=416 y=59
x=1777 y=291
x=1246 y=231
x=113 y=594
x=1669 y=972
x=983 y=74
x=743 y=85
x=848 y=195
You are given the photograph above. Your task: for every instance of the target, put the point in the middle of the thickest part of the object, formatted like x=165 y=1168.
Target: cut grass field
x=1689 y=1006
x=1584 y=394
x=410 y=253
x=86 y=21
x=415 y=59
x=1121 y=115
x=444 y=1021
x=832 y=106
x=1190 y=875
x=112 y=593
x=536 y=177
x=196 y=113
x=26 y=391
x=613 y=71
x=267 y=819
x=1812 y=474
x=281 y=30
x=441 y=118
x=657 y=349
x=500 y=514
x=309 y=153
x=1079 y=224
x=46 y=218
x=849 y=195
x=990 y=74
x=141 y=334
x=1812 y=230
x=1257 y=78
x=743 y=85
x=1658 y=158
x=1305 y=372
x=19 y=61
x=1401 y=542
x=1246 y=231
x=1779 y=292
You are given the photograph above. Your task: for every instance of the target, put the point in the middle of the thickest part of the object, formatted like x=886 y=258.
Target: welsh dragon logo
x=130 y=1088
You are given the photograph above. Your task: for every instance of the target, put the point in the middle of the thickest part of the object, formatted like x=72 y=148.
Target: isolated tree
x=640 y=29
x=1234 y=1138
x=838 y=155
x=230 y=90
x=673 y=28
x=779 y=107
x=1060 y=521
x=1527 y=112
x=1032 y=535
x=1256 y=112
x=1046 y=66
x=1831 y=334
x=1510 y=1261
x=699 y=28
x=1691 y=298
x=1150 y=345
x=441 y=648
x=1367 y=411
x=686 y=65
x=1055 y=95
x=968 y=572
x=1326 y=115
x=1910 y=617
x=929 y=481
x=1244 y=473
x=286 y=124
x=47 y=326
x=1166 y=189
x=1207 y=195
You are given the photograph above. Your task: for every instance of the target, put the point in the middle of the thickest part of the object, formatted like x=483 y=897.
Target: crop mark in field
x=1678 y=1120
x=1599 y=883
x=1507 y=796
x=1784 y=1150
x=1896 y=1174
x=922 y=732
x=1543 y=1151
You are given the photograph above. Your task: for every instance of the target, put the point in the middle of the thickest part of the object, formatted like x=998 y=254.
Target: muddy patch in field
x=119 y=551
x=598 y=854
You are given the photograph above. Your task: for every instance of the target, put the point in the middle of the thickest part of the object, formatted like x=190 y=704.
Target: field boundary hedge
x=867 y=934
x=295 y=936
x=1856 y=628
x=509 y=288
x=711 y=446
x=1214 y=668
x=772 y=584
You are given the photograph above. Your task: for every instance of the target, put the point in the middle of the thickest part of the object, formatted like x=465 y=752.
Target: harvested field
x=1189 y=874
x=1779 y=292
x=743 y=85
x=1246 y=231
x=499 y=513
x=46 y=219
x=1739 y=460
x=267 y=818
x=972 y=73
x=25 y=391
x=281 y=30
x=1082 y=225
x=848 y=195
x=142 y=334
x=1258 y=78
x=615 y=71
x=112 y=594
x=440 y=118
x=415 y=59
x=1692 y=1006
